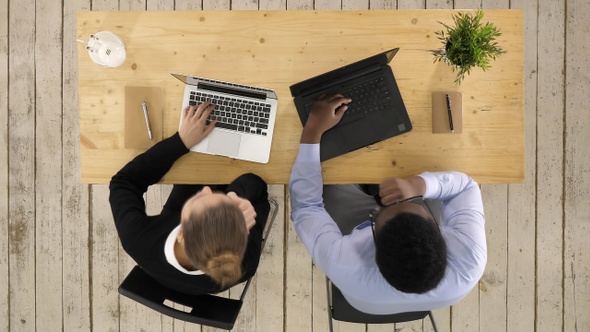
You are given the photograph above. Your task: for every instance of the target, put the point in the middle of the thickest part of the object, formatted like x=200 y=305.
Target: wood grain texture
x=491 y=149
x=4 y=192
x=492 y=287
x=327 y=4
x=133 y=5
x=216 y=4
x=272 y=4
x=75 y=198
x=320 y=300
x=21 y=165
x=188 y=5
x=520 y=311
x=160 y=5
x=298 y=283
x=388 y=4
x=271 y=271
x=576 y=261
x=103 y=243
x=445 y=317
x=550 y=181
x=135 y=316
x=104 y=263
x=300 y=4
x=48 y=164
x=411 y=4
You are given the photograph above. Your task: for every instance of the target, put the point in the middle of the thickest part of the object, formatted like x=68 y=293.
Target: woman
x=205 y=240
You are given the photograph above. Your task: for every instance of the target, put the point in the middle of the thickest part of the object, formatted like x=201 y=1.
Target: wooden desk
x=275 y=49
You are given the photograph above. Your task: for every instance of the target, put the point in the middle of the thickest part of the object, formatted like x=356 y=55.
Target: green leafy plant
x=468 y=44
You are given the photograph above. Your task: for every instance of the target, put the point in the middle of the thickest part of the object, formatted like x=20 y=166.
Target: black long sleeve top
x=143 y=237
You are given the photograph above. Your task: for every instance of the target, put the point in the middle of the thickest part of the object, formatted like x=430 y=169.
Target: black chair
x=340 y=309
x=208 y=309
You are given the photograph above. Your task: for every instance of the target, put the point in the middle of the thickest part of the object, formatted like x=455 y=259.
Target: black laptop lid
x=343 y=73
x=380 y=113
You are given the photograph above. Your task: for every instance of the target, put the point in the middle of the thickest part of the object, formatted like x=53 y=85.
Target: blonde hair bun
x=225 y=268
x=215 y=240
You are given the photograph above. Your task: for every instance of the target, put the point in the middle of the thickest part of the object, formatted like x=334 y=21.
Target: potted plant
x=468 y=44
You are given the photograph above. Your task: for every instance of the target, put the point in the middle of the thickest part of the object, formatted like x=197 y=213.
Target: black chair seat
x=210 y=310
x=339 y=309
x=207 y=309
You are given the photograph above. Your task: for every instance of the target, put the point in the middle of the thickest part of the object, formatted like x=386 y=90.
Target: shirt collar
x=171 y=257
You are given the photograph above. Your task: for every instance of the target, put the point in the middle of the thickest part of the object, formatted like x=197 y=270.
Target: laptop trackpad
x=224 y=143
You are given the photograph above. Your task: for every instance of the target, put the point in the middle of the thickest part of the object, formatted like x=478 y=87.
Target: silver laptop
x=245 y=117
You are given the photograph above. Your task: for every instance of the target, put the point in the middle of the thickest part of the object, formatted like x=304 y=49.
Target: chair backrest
x=207 y=309
x=340 y=309
x=210 y=310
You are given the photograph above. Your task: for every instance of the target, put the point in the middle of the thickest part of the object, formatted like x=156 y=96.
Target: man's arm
x=462 y=208
x=314 y=226
x=396 y=189
x=316 y=229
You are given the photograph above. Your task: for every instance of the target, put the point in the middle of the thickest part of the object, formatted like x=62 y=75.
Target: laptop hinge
x=334 y=82
x=232 y=91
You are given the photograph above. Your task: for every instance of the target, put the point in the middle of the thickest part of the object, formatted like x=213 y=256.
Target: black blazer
x=143 y=237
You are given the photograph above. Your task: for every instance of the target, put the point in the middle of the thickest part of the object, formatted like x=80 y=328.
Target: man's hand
x=325 y=113
x=396 y=189
x=246 y=207
x=194 y=126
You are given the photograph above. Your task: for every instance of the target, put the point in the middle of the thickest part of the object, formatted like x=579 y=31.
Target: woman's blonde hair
x=215 y=241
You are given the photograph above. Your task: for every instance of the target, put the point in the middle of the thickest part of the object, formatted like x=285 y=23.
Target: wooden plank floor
x=61 y=263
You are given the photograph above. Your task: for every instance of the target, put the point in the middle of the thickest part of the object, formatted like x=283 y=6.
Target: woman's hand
x=194 y=128
x=246 y=207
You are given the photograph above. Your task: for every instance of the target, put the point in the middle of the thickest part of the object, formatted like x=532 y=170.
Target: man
x=396 y=258
x=203 y=241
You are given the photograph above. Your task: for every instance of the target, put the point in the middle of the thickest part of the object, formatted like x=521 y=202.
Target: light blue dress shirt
x=349 y=261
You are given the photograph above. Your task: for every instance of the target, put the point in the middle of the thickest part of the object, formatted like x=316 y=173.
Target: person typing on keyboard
x=239 y=115
x=384 y=249
x=206 y=239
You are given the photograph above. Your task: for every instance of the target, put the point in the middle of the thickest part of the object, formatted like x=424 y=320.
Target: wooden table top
x=275 y=49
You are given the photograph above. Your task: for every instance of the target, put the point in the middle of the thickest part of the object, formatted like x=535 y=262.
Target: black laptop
x=377 y=111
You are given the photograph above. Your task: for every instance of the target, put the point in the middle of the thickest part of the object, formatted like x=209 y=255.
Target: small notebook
x=136 y=134
x=440 y=113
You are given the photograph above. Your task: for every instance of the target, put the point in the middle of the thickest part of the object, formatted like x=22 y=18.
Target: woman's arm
x=254 y=189
x=131 y=182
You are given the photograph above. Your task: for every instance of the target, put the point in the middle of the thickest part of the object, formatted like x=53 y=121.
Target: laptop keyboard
x=367 y=98
x=236 y=114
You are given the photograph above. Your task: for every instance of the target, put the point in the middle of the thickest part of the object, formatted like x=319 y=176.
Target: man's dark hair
x=411 y=253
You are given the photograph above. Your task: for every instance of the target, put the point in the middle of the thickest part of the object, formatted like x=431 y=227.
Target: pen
x=450 y=113
x=147 y=119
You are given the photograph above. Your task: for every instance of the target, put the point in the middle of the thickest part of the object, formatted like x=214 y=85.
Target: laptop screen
x=309 y=85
